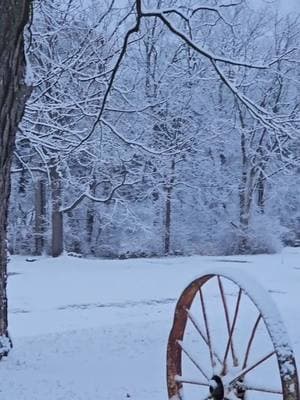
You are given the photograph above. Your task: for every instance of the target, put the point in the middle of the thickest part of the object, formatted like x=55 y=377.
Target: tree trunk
x=40 y=217
x=14 y=15
x=57 y=246
x=169 y=190
x=90 y=226
x=243 y=247
x=90 y=220
x=245 y=193
x=261 y=193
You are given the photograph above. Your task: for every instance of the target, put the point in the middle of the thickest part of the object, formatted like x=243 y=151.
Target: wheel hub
x=216 y=388
x=219 y=392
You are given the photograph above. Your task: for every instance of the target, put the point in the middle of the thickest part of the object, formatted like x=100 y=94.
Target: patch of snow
x=83 y=353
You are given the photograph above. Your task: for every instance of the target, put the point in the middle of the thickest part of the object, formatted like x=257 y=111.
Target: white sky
x=290 y=4
x=285 y=5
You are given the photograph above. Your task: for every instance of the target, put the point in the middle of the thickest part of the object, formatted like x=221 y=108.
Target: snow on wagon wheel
x=228 y=342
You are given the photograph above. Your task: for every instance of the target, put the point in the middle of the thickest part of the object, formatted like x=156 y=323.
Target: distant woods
x=192 y=152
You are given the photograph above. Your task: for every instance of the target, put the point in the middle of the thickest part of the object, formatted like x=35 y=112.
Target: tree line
x=190 y=155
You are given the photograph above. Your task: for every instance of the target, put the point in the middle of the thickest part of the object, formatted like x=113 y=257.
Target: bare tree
x=14 y=16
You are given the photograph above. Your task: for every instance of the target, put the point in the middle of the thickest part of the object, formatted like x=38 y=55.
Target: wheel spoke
x=263 y=389
x=244 y=371
x=192 y=381
x=211 y=354
x=199 y=330
x=230 y=342
x=188 y=354
x=251 y=340
x=234 y=358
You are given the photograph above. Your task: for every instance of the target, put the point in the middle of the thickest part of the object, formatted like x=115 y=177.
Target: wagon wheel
x=228 y=342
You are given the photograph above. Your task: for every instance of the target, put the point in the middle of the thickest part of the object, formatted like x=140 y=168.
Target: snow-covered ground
x=97 y=329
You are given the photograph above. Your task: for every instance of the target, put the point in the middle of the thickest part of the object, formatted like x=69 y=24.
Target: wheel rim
x=233 y=372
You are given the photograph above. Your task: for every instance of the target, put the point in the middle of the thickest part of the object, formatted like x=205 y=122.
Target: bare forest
x=167 y=130
x=138 y=129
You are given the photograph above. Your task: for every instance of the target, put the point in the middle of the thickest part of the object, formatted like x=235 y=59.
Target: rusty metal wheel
x=228 y=342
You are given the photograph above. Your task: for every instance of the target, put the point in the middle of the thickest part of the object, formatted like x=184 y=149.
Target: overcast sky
x=290 y=5
x=285 y=5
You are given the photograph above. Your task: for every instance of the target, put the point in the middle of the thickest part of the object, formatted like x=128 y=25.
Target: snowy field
x=97 y=329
